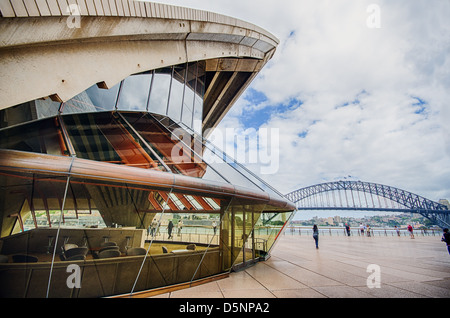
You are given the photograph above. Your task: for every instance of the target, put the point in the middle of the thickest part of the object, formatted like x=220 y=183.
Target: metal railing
x=374 y=232
x=202 y=235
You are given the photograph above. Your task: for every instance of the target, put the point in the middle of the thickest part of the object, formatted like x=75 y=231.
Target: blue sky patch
x=420 y=105
x=255 y=118
x=356 y=101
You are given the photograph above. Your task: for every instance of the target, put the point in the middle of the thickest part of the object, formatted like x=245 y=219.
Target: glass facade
x=182 y=235
x=123 y=234
x=175 y=91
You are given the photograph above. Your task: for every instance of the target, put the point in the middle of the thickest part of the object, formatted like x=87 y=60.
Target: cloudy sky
x=351 y=99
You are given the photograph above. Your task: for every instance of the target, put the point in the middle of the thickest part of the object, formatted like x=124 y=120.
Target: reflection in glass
x=46 y=108
x=177 y=93
x=105 y=137
x=188 y=101
x=25 y=112
x=176 y=155
x=91 y=100
x=134 y=92
x=164 y=234
x=187 y=235
x=43 y=136
x=159 y=94
x=198 y=98
x=268 y=228
x=88 y=140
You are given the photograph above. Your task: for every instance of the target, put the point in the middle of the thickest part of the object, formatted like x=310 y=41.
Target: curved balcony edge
x=20 y=161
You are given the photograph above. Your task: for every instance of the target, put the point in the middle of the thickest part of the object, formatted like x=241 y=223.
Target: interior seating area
x=72 y=252
x=135 y=251
x=107 y=249
x=75 y=253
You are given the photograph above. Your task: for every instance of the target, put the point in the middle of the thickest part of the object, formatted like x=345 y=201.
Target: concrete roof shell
x=45 y=50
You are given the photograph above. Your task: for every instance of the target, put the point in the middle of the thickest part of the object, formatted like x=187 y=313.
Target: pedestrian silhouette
x=316 y=235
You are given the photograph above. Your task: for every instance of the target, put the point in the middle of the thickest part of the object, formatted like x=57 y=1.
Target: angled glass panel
x=179 y=157
x=267 y=229
x=46 y=108
x=106 y=137
x=177 y=92
x=198 y=99
x=43 y=136
x=237 y=231
x=16 y=114
x=160 y=89
x=216 y=154
x=29 y=111
x=134 y=92
x=94 y=99
x=188 y=101
x=213 y=157
x=88 y=139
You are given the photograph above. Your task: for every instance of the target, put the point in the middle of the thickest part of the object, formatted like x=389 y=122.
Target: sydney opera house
x=109 y=185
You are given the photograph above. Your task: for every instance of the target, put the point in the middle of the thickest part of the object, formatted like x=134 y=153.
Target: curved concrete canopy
x=44 y=52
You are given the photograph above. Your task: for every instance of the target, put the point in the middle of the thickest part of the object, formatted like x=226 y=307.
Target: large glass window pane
x=198 y=101
x=94 y=99
x=177 y=92
x=43 y=136
x=17 y=114
x=182 y=153
x=88 y=140
x=267 y=229
x=159 y=93
x=176 y=155
x=106 y=137
x=32 y=110
x=188 y=102
x=134 y=92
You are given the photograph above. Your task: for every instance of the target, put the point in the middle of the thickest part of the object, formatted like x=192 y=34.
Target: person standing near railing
x=410 y=230
x=316 y=235
x=347 y=228
x=214 y=225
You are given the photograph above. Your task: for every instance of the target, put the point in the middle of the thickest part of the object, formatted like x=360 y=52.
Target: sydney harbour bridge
x=366 y=196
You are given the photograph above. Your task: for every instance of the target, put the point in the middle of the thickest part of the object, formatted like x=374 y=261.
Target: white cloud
x=358 y=88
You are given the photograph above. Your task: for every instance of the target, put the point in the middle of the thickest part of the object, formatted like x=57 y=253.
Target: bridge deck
x=410 y=268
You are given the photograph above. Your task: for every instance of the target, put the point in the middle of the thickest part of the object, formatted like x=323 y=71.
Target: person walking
x=169 y=229
x=316 y=235
x=410 y=230
x=446 y=238
x=397 y=230
x=361 y=229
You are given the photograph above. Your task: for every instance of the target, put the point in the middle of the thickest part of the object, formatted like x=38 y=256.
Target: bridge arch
x=367 y=196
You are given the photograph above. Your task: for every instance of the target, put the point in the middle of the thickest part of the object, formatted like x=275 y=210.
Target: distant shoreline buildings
x=400 y=220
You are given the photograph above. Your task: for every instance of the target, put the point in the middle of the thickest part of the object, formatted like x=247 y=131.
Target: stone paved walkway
x=408 y=268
